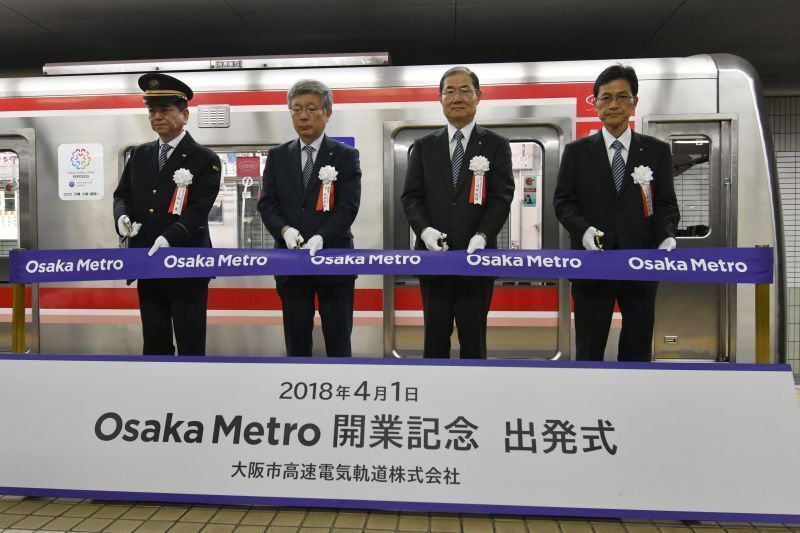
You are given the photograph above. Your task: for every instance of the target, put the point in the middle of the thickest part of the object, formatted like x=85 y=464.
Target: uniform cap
x=163 y=89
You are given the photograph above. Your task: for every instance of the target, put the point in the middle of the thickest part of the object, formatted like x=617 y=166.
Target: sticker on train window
x=80 y=171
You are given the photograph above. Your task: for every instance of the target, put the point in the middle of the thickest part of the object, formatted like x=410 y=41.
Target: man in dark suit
x=299 y=213
x=615 y=191
x=450 y=207
x=162 y=200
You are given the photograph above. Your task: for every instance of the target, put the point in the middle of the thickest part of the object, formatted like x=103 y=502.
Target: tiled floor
x=19 y=514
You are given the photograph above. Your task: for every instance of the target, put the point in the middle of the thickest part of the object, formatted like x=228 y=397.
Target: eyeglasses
x=622 y=99
x=464 y=92
x=298 y=110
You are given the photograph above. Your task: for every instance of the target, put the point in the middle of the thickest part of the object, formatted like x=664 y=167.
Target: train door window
x=9 y=186
x=525 y=314
x=692 y=177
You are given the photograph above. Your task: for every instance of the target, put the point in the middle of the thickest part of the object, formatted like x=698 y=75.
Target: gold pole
x=18 y=318
x=762 y=322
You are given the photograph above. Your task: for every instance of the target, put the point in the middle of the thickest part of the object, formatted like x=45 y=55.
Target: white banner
x=509 y=437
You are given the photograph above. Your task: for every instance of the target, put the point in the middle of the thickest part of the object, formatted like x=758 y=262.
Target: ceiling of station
x=35 y=32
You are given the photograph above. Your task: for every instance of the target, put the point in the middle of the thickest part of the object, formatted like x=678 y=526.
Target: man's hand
x=313 y=245
x=668 y=244
x=434 y=239
x=477 y=242
x=161 y=242
x=126 y=228
x=292 y=237
x=591 y=239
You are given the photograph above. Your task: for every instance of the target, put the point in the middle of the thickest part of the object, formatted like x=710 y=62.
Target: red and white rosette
x=182 y=178
x=327 y=176
x=479 y=166
x=643 y=177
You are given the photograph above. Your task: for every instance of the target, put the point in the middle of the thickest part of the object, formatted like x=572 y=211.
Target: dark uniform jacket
x=429 y=199
x=144 y=194
x=284 y=201
x=585 y=194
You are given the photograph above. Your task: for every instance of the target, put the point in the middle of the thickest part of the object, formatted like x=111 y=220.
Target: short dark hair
x=617 y=72
x=181 y=104
x=460 y=70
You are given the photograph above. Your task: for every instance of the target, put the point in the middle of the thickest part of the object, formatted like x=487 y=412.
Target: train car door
x=528 y=318
x=704 y=170
x=17 y=223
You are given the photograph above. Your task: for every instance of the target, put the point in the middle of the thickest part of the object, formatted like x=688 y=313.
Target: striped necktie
x=458 y=157
x=309 y=165
x=162 y=156
x=617 y=165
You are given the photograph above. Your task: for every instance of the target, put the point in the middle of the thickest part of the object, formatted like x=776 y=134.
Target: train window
x=692 y=176
x=522 y=230
x=9 y=185
x=238 y=198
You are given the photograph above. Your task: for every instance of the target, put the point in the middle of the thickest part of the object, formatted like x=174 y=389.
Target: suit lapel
x=178 y=157
x=475 y=147
x=636 y=154
x=295 y=168
x=443 y=148
x=325 y=157
x=600 y=154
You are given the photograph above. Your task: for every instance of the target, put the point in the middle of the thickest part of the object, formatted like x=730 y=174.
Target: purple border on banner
x=706 y=265
x=604 y=365
x=378 y=505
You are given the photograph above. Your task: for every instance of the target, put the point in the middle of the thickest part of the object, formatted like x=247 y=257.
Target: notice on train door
x=80 y=171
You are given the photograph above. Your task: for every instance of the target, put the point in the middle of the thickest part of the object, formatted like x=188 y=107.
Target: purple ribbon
x=711 y=265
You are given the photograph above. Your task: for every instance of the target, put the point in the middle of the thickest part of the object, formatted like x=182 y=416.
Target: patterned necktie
x=617 y=165
x=458 y=157
x=309 y=166
x=162 y=156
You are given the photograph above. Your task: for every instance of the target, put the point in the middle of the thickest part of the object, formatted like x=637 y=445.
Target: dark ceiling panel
x=103 y=11
x=546 y=30
x=764 y=33
x=191 y=36
x=412 y=31
x=409 y=30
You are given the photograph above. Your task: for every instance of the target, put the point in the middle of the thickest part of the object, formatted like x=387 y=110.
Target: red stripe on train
x=406 y=299
x=242 y=98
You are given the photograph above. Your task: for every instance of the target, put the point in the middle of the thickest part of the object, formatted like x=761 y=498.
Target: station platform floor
x=20 y=514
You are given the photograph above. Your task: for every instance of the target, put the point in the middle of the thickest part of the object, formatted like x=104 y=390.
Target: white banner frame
x=689 y=441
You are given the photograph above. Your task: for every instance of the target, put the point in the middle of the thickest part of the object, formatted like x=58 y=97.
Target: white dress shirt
x=173 y=143
x=625 y=139
x=466 y=131
x=315 y=145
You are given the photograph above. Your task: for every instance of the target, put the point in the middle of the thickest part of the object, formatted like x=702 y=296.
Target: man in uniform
x=298 y=213
x=162 y=200
x=448 y=209
x=615 y=191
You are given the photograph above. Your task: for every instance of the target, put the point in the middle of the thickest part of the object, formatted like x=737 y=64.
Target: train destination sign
x=662 y=440
x=718 y=265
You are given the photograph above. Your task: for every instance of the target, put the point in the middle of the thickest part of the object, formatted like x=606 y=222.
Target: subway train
x=707 y=107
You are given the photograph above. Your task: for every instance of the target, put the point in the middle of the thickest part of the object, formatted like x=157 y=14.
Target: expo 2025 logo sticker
x=80 y=159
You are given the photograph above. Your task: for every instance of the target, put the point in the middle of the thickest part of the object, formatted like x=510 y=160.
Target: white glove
x=313 y=245
x=477 y=242
x=432 y=237
x=668 y=244
x=161 y=242
x=293 y=238
x=589 y=236
x=125 y=228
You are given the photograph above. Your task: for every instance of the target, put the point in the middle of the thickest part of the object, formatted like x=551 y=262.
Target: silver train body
x=707 y=107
